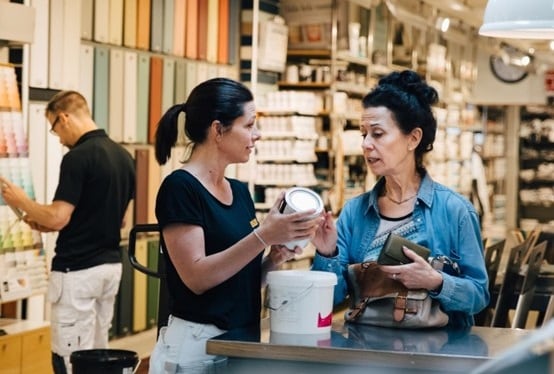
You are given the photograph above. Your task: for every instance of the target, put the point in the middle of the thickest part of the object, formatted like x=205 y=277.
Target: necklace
x=399 y=202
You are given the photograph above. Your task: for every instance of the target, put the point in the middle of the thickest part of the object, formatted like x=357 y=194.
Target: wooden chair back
x=527 y=292
x=493 y=256
x=531 y=240
x=507 y=289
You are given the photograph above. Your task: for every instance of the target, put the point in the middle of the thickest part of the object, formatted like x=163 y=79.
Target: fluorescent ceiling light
x=519 y=19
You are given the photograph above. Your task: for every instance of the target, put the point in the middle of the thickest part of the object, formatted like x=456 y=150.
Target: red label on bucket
x=324 y=321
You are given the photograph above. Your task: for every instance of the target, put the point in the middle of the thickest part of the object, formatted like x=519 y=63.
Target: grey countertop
x=357 y=348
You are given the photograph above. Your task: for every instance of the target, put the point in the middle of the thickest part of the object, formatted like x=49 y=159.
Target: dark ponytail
x=217 y=99
x=167 y=132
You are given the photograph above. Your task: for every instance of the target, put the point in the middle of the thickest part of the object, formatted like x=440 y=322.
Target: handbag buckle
x=400 y=303
x=401 y=307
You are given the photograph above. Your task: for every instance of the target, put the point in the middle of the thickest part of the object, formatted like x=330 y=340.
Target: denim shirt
x=444 y=221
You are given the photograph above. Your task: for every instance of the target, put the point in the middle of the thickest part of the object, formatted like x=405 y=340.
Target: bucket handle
x=138 y=364
x=302 y=293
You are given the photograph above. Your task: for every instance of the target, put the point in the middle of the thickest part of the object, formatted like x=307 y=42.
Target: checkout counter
x=356 y=349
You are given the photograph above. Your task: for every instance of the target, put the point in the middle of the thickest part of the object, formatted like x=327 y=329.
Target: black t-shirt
x=237 y=301
x=97 y=176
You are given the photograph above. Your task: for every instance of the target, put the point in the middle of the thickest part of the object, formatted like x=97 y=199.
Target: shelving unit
x=536 y=171
x=107 y=51
x=23 y=261
x=450 y=161
x=493 y=155
x=293 y=150
x=338 y=79
x=295 y=126
x=354 y=78
x=286 y=155
x=382 y=44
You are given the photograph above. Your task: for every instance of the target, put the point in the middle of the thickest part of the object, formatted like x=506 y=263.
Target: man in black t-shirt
x=96 y=184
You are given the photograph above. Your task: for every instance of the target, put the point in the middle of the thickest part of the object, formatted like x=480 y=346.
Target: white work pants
x=82 y=308
x=181 y=348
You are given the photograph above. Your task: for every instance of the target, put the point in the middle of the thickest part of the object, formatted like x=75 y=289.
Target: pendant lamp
x=531 y=19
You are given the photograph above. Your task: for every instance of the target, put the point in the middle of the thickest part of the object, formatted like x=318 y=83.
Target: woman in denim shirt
x=398 y=127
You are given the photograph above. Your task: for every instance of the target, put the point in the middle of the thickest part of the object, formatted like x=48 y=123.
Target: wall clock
x=505 y=71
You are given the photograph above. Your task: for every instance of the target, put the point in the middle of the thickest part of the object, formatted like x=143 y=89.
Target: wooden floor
x=142 y=343
x=143 y=367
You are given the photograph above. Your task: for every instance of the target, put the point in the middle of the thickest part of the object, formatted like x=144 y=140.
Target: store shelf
x=286 y=159
x=288 y=112
x=304 y=85
x=536 y=175
x=309 y=53
x=347 y=57
x=542 y=213
x=352 y=76
x=352 y=88
x=286 y=154
x=287 y=135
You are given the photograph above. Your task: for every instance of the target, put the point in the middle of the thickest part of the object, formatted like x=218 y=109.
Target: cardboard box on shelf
x=309 y=23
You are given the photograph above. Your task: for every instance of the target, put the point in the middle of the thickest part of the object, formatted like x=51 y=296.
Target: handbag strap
x=353 y=313
x=400 y=306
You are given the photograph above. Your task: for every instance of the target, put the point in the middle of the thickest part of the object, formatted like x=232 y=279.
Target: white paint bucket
x=300 y=301
x=300 y=199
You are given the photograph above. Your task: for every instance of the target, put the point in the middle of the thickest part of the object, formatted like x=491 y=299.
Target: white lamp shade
x=531 y=19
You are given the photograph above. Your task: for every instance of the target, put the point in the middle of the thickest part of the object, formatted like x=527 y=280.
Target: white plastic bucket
x=300 y=199
x=300 y=301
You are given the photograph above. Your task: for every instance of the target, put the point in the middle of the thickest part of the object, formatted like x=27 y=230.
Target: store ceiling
x=467 y=15
x=470 y=11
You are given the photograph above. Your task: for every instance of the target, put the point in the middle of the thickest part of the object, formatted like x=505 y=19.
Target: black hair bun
x=410 y=81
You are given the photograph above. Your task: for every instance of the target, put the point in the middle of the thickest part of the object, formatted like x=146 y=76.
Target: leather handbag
x=379 y=300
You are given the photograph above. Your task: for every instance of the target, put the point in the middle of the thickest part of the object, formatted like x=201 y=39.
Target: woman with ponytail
x=214 y=246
